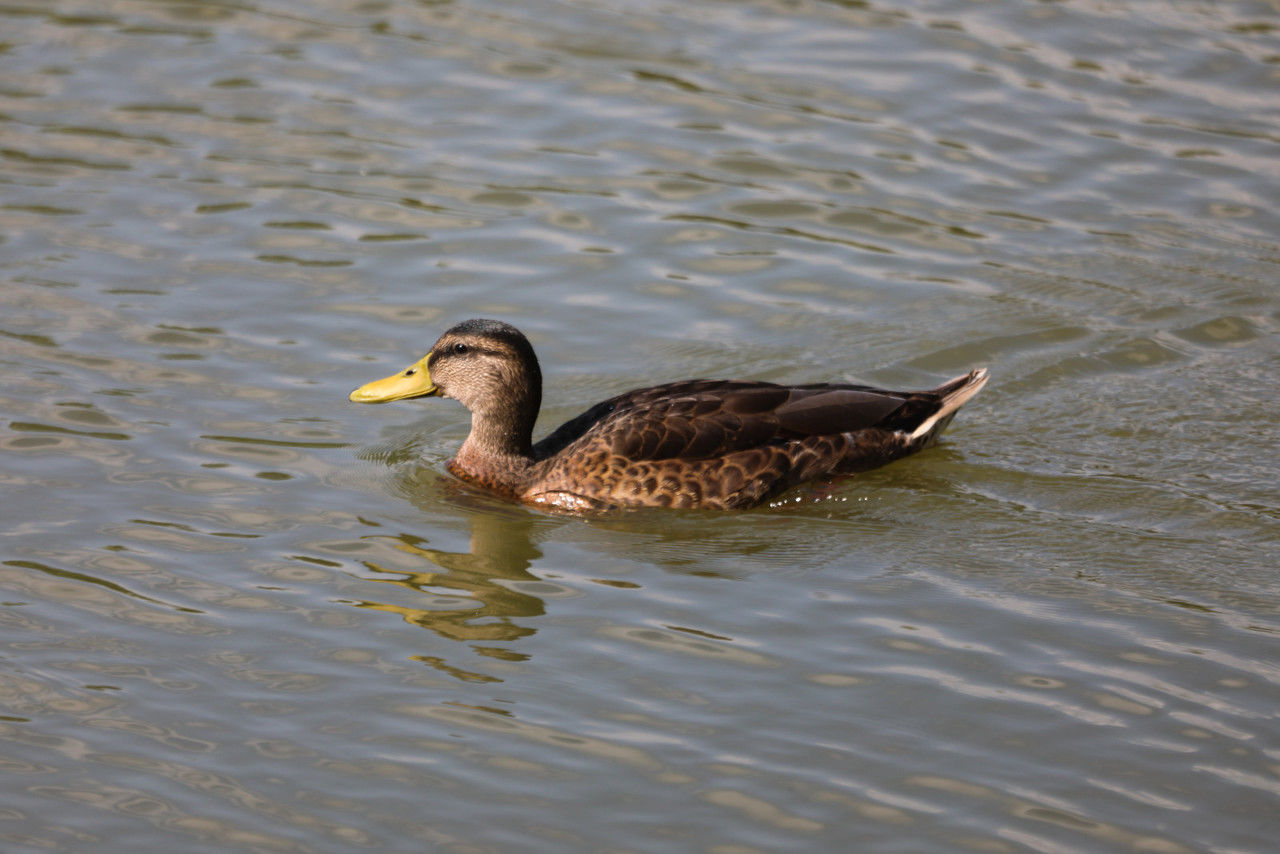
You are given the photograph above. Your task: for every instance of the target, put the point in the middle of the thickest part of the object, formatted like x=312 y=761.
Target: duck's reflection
x=476 y=595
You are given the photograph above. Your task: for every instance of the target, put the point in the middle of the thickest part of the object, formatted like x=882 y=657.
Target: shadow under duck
x=719 y=444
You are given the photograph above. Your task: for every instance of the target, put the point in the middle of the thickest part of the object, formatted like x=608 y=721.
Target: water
x=241 y=614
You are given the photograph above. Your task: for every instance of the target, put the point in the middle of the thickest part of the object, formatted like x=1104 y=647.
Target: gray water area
x=240 y=614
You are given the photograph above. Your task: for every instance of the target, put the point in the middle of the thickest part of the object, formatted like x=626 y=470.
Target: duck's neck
x=498 y=453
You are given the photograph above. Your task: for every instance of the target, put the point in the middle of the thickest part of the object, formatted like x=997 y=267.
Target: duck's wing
x=570 y=431
x=635 y=406
x=701 y=419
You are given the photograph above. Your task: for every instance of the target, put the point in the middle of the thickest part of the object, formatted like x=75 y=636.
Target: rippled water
x=241 y=614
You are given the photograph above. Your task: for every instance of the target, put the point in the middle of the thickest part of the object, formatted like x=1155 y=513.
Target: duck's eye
x=460 y=348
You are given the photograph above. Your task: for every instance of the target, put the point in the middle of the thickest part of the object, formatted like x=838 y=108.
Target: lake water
x=240 y=614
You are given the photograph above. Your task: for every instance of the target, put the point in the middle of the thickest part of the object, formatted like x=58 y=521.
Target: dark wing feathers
x=638 y=400
x=835 y=410
x=753 y=401
x=700 y=419
x=568 y=432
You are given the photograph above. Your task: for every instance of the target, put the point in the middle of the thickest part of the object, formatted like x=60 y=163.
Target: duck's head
x=486 y=365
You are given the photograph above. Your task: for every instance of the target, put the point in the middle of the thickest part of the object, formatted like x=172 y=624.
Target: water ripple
x=229 y=595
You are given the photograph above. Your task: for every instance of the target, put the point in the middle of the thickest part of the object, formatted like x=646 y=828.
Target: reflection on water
x=240 y=615
x=476 y=595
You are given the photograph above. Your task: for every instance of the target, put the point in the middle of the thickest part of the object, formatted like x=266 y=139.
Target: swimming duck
x=720 y=444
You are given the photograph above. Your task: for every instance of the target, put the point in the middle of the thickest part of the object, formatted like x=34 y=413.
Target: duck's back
x=731 y=444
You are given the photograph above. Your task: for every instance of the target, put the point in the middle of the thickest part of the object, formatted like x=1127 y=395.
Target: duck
x=698 y=443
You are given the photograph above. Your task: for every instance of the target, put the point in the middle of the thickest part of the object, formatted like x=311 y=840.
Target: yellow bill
x=413 y=381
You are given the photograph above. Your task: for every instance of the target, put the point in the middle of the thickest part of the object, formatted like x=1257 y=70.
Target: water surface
x=241 y=614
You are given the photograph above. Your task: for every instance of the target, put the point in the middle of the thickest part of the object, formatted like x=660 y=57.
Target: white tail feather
x=974 y=381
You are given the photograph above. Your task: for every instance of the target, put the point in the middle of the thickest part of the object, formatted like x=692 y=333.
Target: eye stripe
x=449 y=352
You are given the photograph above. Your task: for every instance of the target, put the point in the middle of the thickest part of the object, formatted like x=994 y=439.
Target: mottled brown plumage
x=717 y=444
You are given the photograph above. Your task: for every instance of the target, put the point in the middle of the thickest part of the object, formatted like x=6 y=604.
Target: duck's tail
x=954 y=394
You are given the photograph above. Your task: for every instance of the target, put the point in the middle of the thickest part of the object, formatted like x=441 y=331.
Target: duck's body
x=719 y=444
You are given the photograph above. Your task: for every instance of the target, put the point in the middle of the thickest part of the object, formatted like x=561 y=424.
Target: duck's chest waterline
x=505 y=477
